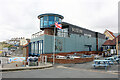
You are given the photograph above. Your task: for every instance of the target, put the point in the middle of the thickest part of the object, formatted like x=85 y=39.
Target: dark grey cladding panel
x=78 y=30
x=73 y=29
x=101 y=36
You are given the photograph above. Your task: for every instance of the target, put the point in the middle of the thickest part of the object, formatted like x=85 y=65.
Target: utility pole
x=117 y=44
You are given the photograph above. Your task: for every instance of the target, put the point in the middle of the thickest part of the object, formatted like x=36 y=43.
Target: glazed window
x=63 y=32
x=45 y=21
x=57 y=19
x=41 y=22
x=51 y=20
x=60 y=20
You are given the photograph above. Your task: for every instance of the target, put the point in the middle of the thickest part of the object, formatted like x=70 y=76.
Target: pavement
x=12 y=66
x=27 y=68
x=88 y=66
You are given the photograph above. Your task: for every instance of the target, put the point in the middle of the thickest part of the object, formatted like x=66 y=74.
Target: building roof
x=110 y=33
x=112 y=42
x=109 y=43
x=50 y=14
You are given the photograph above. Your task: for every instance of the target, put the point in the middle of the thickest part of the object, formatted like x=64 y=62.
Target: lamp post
x=117 y=45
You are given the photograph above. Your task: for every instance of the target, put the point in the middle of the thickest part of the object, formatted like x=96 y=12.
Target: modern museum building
x=70 y=38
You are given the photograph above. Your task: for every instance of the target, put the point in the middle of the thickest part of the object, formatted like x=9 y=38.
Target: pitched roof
x=112 y=42
x=110 y=33
x=109 y=42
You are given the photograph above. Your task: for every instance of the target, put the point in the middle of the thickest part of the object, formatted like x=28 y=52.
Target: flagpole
x=56 y=26
x=54 y=47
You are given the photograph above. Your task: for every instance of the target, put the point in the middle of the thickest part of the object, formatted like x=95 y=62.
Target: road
x=65 y=71
x=59 y=72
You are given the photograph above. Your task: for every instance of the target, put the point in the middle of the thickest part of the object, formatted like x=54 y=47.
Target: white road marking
x=110 y=72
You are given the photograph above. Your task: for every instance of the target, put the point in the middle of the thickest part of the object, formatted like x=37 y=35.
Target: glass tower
x=47 y=20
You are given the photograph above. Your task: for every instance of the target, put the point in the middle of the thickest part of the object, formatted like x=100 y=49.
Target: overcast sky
x=18 y=18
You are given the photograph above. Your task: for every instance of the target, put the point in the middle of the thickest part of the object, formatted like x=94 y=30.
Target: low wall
x=81 y=52
x=70 y=61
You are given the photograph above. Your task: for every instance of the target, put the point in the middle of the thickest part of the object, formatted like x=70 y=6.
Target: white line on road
x=110 y=72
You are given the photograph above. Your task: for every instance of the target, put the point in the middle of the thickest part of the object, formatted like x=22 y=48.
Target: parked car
x=86 y=56
x=72 y=57
x=60 y=57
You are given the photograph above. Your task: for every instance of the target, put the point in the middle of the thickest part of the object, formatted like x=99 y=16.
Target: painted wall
x=71 y=44
x=100 y=42
x=107 y=34
x=68 y=44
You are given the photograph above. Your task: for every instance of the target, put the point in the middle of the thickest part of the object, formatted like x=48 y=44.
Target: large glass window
x=40 y=47
x=45 y=21
x=34 y=47
x=63 y=32
x=57 y=19
x=60 y=20
x=41 y=22
x=51 y=20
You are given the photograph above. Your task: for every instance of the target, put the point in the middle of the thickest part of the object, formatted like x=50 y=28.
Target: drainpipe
x=96 y=41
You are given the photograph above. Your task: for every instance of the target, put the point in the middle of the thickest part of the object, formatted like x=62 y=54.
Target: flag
x=58 y=25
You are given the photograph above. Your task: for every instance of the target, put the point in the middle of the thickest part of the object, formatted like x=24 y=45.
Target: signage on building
x=76 y=30
x=89 y=35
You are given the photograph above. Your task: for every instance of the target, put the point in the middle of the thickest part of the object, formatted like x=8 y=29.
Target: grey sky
x=18 y=18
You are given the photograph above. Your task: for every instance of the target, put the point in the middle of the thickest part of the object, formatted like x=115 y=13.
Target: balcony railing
x=37 y=34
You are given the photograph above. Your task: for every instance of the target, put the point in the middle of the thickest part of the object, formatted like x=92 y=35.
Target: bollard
x=23 y=62
x=38 y=61
x=16 y=65
x=28 y=63
x=42 y=59
x=45 y=59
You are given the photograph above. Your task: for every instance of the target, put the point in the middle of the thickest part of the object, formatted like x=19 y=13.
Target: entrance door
x=90 y=48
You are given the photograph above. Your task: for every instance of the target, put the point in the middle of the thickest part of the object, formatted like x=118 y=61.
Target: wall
x=100 y=42
x=108 y=35
x=77 y=53
x=71 y=61
x=37 y=38
x=73 y=43
x=70 y=44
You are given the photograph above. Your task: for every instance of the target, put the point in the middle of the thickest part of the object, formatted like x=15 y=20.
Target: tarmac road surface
x=58 y=72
